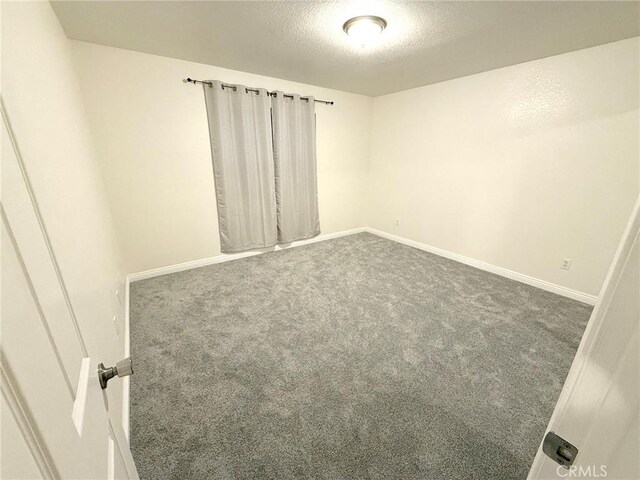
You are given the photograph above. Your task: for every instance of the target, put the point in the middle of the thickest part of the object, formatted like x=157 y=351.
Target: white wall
x=518 y=167
x=42 y=100
x=151 y=133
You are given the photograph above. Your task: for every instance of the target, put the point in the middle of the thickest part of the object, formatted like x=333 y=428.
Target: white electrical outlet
x=397 y=222
x=566 y=264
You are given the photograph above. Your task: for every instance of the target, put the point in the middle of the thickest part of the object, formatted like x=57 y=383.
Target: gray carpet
x=346 y=359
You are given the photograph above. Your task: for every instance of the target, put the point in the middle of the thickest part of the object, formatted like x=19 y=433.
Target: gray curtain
x=243 y=166
x=294 y=152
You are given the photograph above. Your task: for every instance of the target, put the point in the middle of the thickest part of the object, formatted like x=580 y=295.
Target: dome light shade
x=365 y=28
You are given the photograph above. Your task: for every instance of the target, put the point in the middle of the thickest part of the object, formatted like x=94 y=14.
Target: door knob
x=123 y=368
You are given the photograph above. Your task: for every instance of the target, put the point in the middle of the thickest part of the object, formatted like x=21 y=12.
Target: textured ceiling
x=425 y=42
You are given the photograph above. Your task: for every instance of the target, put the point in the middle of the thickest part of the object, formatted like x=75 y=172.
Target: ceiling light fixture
x=365 y=28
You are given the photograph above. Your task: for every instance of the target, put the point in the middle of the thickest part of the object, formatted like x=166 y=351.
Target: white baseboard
x=487 y=267
x=203 y=262
x=519 y=277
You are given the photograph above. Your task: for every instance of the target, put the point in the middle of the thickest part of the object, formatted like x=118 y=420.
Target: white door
x=598 y=410
x=55 y=417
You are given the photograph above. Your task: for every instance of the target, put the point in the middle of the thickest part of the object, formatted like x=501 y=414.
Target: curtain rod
x=224 y=85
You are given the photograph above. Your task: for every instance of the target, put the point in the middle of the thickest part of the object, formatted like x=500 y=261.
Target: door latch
x=123 y=368
x=559 y=450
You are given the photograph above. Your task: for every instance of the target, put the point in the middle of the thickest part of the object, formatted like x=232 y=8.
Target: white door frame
x=597 y=325
x=17 y=402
